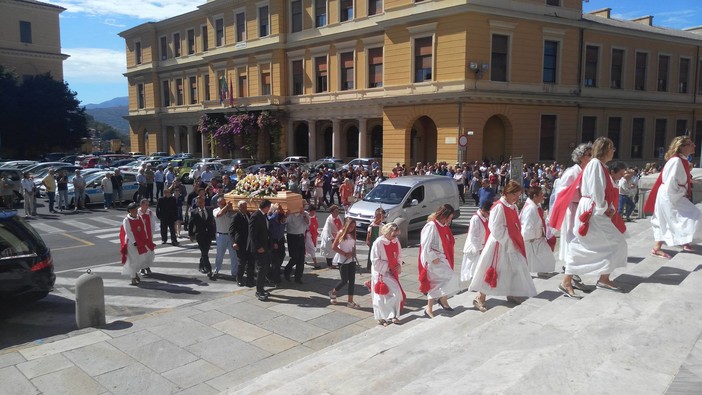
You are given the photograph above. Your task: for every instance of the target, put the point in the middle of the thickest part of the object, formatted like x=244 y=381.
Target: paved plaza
x=645 y=341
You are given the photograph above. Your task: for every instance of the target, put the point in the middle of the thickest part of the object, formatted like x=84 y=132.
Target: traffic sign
x=463 y=140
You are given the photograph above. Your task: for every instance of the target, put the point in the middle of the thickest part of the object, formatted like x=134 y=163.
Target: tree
x=37 y=116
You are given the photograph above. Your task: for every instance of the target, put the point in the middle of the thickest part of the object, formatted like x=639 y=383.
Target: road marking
x=114 y=235
x=190 y=288
x=78 y=224
x=46 y=228
x=96 y=231
x=107 y=221
x=85 y=242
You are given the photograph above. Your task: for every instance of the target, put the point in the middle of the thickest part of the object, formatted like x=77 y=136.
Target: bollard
x=643 y=195
x=90 y=301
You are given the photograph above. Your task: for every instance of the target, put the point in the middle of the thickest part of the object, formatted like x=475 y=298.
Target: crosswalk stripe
x=107 y=236
x=113 y=284
x=96 y=231
x=78 y=224
x=44 y=228
x=107 y=221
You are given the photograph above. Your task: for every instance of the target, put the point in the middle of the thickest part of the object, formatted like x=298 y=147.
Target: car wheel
x=185 y=179
x=87 y=199
x=135 y=197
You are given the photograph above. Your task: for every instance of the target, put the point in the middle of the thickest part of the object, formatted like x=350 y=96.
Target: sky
x=89 y=34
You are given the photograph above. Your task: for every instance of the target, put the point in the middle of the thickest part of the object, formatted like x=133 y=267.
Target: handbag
x=380 y=287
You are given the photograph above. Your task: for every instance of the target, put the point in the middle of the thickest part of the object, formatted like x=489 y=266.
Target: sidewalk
x=210 y=347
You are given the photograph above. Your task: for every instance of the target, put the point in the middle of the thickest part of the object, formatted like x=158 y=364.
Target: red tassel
x=491 y=277
x=551 y=243
x=585 y=216
x=582 y=230
x=380 y=287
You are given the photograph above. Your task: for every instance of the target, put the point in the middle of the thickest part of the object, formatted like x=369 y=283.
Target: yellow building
x=30 y=40
x=403 y=79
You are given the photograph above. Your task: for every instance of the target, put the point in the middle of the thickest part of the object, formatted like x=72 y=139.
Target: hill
x=111 y=113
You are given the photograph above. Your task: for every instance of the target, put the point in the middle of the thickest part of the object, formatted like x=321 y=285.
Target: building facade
x=403 y=79
x=30 y=39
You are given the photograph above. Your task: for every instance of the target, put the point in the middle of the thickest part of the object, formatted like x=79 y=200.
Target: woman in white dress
x=386 y=263
x=675 y=221
x=502 y=267
x=332 y=226
x=478 y=233
x=437 y=278
x=149 y=217
x=540 y=256
x=599 y=247
x=135 y=245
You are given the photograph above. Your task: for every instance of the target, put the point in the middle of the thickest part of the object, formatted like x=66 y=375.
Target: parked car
x=69 y=159
x=39 y=167
x=313 y=167
x=302 y=159
x=89 y=162
x=216 y=168
x=93 y=190
x=15 y=176
x=134 y=153
x=408 y=201
x=267 y=167
x=184 y=165
x=365 y=162
x=54 y=156
x=19 y=164
x=39 y=177
x=26 y=267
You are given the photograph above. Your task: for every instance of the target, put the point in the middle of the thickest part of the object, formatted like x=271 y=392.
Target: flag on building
x=231 y=94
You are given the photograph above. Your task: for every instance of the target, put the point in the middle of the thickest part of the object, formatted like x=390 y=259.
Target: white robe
x=475 y=242
x=513 y=278
x=385 y=307
x=135 y=261
x=604 y=247
x=328 y=234
x=566 y=232
x=443 y=279
x=675 y=221
x=539 y=255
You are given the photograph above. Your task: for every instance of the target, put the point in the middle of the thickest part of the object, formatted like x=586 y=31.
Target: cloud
x=139 y=9
x=113 y=22
x=94 y=65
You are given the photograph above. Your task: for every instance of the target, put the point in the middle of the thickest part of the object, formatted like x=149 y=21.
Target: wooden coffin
x=291 y=202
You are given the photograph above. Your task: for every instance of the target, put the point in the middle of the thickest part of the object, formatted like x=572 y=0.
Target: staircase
x=606 y=343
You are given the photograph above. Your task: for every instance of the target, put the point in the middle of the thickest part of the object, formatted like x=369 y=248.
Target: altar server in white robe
x=149 y=217
x=540 y=257
x=675 y=221
x=599 y=247
x=386 y=266
x=502 y=267
x=332 y=226
x=136 y=246
x=437 y=278
x=581 y=156
x=478 y=233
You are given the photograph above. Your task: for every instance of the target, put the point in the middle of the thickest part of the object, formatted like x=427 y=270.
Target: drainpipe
x=460 y=130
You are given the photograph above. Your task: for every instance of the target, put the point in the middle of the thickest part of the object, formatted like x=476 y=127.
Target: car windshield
x=387 y=194
x=17 y=239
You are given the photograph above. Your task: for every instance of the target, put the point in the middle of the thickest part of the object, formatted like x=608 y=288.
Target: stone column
x=362 y=138
x=191 y=139
x=176 y=139
x=312 y=140
x=164 y=140
x=336 y=138
x=290 y=134
x=205 y=148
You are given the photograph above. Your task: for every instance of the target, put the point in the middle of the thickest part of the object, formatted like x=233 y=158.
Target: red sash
x=314 y=227
x=140 y=238
x=563 y=200
x=447 y=242
x=551 y=241
x=651 y=200
x=514 y=227
x=337 y=222
x=149 y=236
x=392 y=251
x=485 y=225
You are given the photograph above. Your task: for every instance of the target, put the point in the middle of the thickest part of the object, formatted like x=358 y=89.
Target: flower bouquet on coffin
x=254 y=188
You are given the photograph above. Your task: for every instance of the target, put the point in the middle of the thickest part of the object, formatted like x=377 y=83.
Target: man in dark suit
x=202 y=228
x=239 y=233
x=260 y=246
x=167 y=213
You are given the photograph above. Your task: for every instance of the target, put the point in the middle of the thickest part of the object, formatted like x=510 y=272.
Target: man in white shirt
x=224 y=215
x=28 y=192
x=627 y=191
x=107 y=190
x=207 y=175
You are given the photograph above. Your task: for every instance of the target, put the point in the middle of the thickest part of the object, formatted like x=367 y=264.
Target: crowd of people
x=504 y=250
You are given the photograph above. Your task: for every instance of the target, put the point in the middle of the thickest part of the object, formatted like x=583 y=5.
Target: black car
x=26 y=267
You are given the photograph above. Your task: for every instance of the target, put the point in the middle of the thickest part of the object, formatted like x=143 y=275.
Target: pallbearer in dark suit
x=260 y=245
x=239 y=233
x=202 y=229
x=167 y=213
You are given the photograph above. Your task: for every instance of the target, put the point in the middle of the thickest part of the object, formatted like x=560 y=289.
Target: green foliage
x=37 y=116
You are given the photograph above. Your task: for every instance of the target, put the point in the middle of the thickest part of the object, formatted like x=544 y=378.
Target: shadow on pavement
x=22 y=323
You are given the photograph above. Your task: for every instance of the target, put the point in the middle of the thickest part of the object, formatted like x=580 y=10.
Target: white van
x=407 y=201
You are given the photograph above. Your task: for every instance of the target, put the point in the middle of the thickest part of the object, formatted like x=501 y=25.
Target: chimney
x=644 y=20
x=603 y=12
